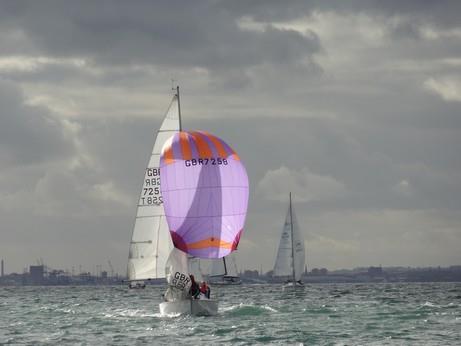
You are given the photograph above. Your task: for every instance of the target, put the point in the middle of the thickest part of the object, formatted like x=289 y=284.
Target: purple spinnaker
x=205 y=194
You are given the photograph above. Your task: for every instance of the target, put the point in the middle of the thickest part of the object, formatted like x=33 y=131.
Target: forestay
x=151 y=242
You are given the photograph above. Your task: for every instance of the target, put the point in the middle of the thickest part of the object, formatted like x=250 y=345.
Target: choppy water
x=330 y=314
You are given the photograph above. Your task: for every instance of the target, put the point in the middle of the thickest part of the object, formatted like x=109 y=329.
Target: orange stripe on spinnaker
x=210 y=242
x=203 y=148
x=168 y=155
x=185 y=146
x=233 y=153
x=217 y=143
x=236 y=157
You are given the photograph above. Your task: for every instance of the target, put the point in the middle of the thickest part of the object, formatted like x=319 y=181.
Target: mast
x=225 y=266
x=292 y=245
x=179 y=108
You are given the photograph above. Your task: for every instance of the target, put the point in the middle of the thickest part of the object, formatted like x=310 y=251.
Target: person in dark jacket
x=194 y=290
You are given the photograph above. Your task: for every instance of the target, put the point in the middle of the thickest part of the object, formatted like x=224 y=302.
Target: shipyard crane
x=111 y=269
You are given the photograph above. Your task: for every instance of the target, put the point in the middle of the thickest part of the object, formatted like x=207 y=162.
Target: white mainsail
x=291 y=253
x=151 y=242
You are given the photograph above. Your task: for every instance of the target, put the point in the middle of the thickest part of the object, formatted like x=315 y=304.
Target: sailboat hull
x=290 y=285
x=226 y=281
x=195 y=307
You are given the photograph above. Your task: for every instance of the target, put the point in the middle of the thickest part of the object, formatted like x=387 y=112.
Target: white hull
x=290 y=285
x=226 y=281
x=195 y=307
x=137 y=285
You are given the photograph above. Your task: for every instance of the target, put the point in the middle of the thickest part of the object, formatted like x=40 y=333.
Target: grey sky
x=354 y=106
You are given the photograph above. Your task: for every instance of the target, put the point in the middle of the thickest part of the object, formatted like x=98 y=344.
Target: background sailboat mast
x=179 y=108
x=292 y=244
x=225 y=266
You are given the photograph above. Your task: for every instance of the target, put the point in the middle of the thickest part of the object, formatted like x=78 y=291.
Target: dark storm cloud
x=28 y=134
x=109 y=139
x=192 y=34
x=443 y=13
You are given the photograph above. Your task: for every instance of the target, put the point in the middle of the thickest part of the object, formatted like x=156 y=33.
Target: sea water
x=319 y=314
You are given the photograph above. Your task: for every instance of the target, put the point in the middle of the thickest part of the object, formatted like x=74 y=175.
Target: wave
x=428 y=304
x=122 y=313
x=248 y=310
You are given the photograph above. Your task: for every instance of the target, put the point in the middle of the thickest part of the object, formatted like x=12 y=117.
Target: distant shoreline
x=39 y=276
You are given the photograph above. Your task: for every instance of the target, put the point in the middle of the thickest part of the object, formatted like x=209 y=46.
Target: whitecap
x=242 y=305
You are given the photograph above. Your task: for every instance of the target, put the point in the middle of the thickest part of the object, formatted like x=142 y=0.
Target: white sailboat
x=152 y=254
x=205 y=190
x=224 y=271
x=289 y=264
x=151 y=242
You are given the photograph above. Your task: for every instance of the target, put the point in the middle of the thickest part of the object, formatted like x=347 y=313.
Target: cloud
x=67 y=192
x=304 y=185
x=386 y=236
x=447 y=88
x=108 y=192
x=29 y=134
x=442 y=13
x=28 y=64
x=403 y=188
x=47 y=164
x=172 y=34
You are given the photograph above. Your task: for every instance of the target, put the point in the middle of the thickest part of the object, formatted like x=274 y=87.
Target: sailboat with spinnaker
x=205 y=195
x=197 y=210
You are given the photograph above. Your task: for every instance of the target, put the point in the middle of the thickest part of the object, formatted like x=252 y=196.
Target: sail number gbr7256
x=211 y=161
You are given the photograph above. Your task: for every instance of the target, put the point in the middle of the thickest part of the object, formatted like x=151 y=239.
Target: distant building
x=251 y=274
x=37 y=274
x=317 y=271
x=372 y=271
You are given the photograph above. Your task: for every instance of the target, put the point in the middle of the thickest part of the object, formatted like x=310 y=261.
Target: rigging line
x=156 y=248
